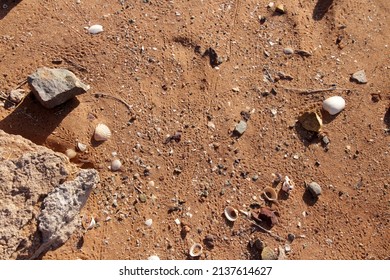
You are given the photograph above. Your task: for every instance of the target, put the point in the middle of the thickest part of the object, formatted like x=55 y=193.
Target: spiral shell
x=102 y=132
x=231 y=213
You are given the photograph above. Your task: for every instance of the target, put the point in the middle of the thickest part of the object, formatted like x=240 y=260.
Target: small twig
x=277 y=237
x=309 y=91
x=138 y=189
x=21 y=83
x=74 y=64
x=98 y=95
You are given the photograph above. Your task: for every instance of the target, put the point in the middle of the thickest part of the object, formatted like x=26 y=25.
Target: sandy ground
x=196 y=68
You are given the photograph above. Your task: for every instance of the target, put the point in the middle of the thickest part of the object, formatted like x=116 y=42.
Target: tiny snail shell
x=70 y=153
x=231 y=213
x=95 y=29
x=116 y=165
x=102 y=132
x=270 y=194
x=196 y=250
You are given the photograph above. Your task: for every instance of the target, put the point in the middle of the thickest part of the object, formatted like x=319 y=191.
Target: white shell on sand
x=153 y=258
x=148 y=222
x=334 y=104
x=116 y=165
x=231 y=213
x=95 y=29
x=288 y=185
x=196 y=250
x=102 y=132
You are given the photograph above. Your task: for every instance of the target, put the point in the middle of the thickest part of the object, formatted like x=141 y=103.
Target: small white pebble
x=177 y=221
x=148 y=222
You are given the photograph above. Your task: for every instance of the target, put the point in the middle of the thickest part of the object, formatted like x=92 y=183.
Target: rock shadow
x=308 y=198
x=35 y=122
x=386 y=118
x=326 y=117
x=307 y=137
x=7 y=6
x=321 y=9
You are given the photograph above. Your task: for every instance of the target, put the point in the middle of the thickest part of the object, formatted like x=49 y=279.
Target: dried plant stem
x=277 y=237
x=309 y=91
x=98 y=95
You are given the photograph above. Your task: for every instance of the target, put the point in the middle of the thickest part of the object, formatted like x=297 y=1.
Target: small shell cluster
x=102 y=132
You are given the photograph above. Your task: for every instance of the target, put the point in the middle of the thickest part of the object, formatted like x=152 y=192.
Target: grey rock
x=53 y=87
x=359 y=77
x=240 y=127
x=27 y=173
x=315 y=189
x=60 y=215
x=17 y=95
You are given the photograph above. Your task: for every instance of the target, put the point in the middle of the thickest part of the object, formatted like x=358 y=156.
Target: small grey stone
x=241 y=127
x=288 y=50
x=359 y=77
x=326 y=140
x=53 y=87
x=315 y=189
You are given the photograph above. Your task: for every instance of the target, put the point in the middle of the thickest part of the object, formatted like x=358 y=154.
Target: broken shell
x=288 y=185
x=270 y=194
x=70 y=153
x=116 y=165
x=81 y=147
x=196 y=250
x=311 y=121
x=92 y=224
x=280 y=9
x=102 y=132
x=334 y=105
x=231 y=213
x=95 y=29
x=268 y=254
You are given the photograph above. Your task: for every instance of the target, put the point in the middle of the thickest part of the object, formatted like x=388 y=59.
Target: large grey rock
x=28 y=173
x=60 y=215
x=53 y=87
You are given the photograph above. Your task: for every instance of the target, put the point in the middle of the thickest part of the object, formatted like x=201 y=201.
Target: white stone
x=334 y=105
x=148 y=222
x=95 y=29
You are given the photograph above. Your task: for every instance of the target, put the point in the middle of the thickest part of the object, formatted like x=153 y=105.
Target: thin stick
x=277 y=237
x=129 y=107
x=309 y=91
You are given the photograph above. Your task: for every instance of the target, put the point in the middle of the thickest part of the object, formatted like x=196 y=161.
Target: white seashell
x=270 y=194
x=196 y=250
x=102 y=132
x=153 y=258
x=288 y=185
x=231 y=213
x=95 y=29
x=148 y=222
x=116 y=165
x=92 y=224
x=81 y=147
x=334 y=105
x=70 y=153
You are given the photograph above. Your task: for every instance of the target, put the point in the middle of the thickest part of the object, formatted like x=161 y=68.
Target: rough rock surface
x=29 y=172
x=59 y=217
x=53 y=87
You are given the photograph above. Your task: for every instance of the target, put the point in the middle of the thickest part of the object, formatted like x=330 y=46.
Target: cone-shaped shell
x=270 y=194
x=231 y=213
x=196 y=250
x=102 y=132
